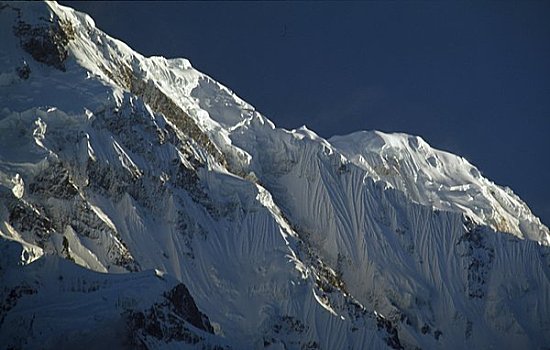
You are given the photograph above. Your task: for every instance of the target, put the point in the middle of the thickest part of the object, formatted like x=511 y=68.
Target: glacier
x=145 y=205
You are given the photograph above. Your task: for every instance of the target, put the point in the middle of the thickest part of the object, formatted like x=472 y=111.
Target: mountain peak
x=177 y=215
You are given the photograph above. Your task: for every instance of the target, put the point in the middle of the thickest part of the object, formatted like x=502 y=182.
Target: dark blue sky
x=472 y=78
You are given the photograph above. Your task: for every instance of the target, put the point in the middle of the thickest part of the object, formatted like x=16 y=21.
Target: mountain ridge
x=124 y=163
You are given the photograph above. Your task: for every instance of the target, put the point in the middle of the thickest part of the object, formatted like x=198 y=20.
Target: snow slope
x=126 y=165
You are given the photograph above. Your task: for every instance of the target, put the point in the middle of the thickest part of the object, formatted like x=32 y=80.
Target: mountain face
x=144 y=205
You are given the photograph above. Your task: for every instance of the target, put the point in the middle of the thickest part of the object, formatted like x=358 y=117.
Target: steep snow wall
x=126 y=164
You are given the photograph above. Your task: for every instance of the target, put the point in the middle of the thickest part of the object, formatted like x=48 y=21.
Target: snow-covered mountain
x=144 y=205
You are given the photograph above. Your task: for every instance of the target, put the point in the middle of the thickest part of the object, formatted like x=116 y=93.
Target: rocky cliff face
x=147 y=206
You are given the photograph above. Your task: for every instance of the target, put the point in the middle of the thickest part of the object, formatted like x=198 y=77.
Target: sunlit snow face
x=211 y=225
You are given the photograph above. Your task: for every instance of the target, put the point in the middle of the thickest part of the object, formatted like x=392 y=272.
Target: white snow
x=299 y=234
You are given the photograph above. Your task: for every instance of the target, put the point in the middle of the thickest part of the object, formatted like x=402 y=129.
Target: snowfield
x=144 y=205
